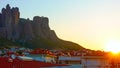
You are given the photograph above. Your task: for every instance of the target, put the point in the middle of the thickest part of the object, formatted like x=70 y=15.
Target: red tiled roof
x=16 y=63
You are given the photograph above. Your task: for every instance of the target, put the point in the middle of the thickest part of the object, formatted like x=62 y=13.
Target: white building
x=95 y=62
x=69 y=60
x=86 y=61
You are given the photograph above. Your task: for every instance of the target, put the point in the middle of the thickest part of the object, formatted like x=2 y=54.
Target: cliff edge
x=34 y=33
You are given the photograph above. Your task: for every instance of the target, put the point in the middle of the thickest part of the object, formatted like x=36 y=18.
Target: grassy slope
x=41 y=43
x=48 y=44
x=5 y=43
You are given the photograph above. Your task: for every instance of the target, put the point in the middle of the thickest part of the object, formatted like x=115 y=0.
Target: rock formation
x=9 y=19
x=25 y=30
x=41 y=28
x=34 y=32
x=13 y=27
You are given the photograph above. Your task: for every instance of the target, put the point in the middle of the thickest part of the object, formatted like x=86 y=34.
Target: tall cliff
x=9 y=19
x=30 y=33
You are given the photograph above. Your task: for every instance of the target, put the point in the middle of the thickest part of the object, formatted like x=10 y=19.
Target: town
x=85 y=58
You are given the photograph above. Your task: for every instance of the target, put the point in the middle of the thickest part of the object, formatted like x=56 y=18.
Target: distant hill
x=36 y=33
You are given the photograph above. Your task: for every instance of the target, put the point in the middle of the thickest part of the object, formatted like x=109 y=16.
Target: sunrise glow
x=113 y=46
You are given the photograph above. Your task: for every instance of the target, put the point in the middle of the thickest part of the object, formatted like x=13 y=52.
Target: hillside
x=36 y=33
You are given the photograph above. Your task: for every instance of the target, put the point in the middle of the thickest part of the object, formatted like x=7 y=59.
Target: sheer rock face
x=9 y=22
x=15 y=21
x=28 y=30
x=0 y=20
x=42 y=29
x=13 y=27
x=39 y=27
x=36 y=26
x=32 y=33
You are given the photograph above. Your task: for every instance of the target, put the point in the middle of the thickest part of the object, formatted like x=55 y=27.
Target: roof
x=71 y=58
x=94 y=57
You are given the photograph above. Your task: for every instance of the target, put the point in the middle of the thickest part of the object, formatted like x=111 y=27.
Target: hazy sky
x=90 y=23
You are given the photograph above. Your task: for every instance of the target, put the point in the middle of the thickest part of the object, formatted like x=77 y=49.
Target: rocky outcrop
x=41 y=28
x=0 y=20
x=38 y=27
x=34 y=33
x=9 y=22
x=15 y=21
x=12 y=27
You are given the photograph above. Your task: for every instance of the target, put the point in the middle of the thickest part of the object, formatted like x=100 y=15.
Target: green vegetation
x=40 y=43
x=49 y=44
x=5 y=43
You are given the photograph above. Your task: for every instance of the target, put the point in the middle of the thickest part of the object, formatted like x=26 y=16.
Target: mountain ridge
x=34 y=33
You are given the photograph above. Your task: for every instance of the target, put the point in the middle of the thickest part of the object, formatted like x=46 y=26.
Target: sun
x=113 y=46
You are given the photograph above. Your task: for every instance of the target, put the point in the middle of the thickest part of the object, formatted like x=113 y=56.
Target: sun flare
x=113 y=46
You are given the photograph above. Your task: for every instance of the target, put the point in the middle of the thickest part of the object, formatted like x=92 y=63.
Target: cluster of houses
x=86 y=58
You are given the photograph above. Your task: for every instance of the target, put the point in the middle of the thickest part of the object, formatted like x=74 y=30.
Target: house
x=95 y=62
x=69 y=60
